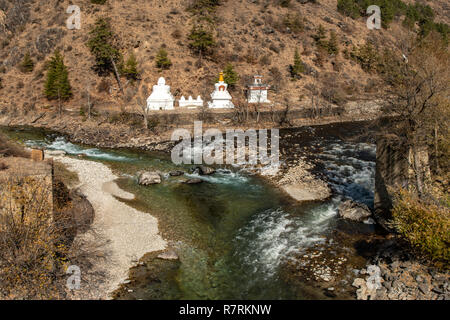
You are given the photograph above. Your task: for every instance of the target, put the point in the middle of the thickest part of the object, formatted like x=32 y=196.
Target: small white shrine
x=221 y=98
x=257 y=91
x=190 y=102
x=161 y=98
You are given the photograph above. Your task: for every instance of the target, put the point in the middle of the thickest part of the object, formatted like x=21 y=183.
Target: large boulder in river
x=205 y=171
x=354 y=211
x=176 y=173
x=149 y=178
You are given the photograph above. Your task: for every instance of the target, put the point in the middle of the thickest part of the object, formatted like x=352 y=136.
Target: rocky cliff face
x=391 y=171
x=397 y=166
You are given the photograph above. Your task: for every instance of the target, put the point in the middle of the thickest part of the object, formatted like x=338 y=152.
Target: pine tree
x=201 y=40
x=57 y=85
x=130 y=68
x=27 y=64
x=162 y=59
x=104 y=50
x=320 y=35
x=298 y=67
x=230 y=76
x=332 y=45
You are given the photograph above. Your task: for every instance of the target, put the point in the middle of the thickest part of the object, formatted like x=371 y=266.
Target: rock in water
x=149 y=178
x=204 y=170
x=194 y=181
x=168 y=255
x=354 y=211
x=176 y=173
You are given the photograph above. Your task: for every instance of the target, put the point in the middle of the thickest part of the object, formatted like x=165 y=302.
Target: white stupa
x=161 y=98
x=221 y=98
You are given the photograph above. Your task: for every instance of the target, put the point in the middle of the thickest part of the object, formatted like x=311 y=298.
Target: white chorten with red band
x=221 y=98
x=257 y=91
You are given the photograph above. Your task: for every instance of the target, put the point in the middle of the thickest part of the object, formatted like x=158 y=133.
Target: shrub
x=284 y=3
x=424 y=224
x=176 y=34
x=162 y=59
x=230 y=76
x=27 y=65
x=320 y=36
x=294 y=23
x=130 y=68
x=332 y=44
x=367 y=56
x=265 y=60
x=349 y=8
x=98 y=1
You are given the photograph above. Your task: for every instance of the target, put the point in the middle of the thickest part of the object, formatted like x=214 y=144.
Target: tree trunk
x=59 y=102
x=89 y=104
x=145 y=120
x=116 y=72
x=436 y=148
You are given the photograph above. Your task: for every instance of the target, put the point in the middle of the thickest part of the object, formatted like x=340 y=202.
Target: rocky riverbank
x=109 y=129
x=397 y=274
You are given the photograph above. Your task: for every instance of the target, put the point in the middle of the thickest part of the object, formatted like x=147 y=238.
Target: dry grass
x=37 y=230
x=11 y=149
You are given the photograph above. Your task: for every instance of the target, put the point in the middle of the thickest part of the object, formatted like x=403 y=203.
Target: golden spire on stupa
x=221 y=77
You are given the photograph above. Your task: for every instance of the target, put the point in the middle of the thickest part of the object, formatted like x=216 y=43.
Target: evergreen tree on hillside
x=57 y=85
x=332 y=45
x=102 y=46
x=201 y=41
x=162 y=59
x=298 y=67
x=230 y=76
x=27 y=64
x=130 y=68
x=320 y=36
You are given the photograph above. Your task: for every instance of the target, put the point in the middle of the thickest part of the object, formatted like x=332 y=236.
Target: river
x=234 y=233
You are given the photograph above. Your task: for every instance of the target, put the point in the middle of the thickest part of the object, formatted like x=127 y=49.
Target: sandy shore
x=127 y=233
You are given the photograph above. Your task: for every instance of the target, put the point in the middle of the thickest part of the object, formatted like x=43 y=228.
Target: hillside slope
x=255 y=36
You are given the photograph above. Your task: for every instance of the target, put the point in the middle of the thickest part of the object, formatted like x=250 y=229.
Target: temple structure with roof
x=257 y=91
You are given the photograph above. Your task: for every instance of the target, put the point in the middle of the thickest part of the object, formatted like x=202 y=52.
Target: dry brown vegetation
x=11 y=149
x=255 y=36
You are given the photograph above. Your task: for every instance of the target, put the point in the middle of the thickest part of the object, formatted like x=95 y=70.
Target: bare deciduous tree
x=418 y=99
x=141 y=103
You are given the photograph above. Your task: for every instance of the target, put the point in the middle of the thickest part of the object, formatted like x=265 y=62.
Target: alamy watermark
x=374 y=21
x=74 y=281
x=74 y=21
x=232 y=147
